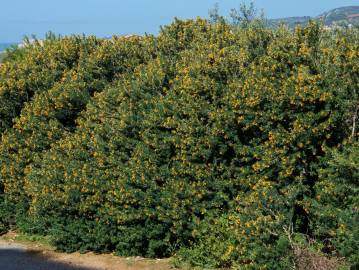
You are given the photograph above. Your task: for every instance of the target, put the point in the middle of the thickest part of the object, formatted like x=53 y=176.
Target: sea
x=4 y=46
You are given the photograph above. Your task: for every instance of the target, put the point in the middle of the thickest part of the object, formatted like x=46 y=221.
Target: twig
x=354 y=121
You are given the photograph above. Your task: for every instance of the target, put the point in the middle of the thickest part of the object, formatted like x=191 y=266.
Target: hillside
x=342 y=16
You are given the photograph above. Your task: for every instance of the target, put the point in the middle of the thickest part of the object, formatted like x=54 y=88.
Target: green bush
x=207 y=142
x=335 y=207
x=52 y=113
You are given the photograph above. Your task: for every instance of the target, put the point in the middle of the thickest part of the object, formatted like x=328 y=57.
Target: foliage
x=208 y=141
x=335 y=208
x=244 y=15
x=214 y=16
x=52 y=113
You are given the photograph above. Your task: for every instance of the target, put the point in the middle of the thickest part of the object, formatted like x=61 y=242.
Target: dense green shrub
x=210 y=142
x=36 y=71
x=335 y=207
x=52 y=113
x=289 y=108
x=120 y=146
x=28 y=72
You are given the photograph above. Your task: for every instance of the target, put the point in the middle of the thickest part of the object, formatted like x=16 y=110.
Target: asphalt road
x=17 y=257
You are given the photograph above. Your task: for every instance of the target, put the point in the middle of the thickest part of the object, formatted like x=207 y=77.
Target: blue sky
x=109 y=17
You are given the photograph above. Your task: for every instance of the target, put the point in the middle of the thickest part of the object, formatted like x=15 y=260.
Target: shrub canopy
x=154 y=146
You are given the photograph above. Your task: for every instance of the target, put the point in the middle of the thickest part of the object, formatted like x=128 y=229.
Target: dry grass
x=306 y=259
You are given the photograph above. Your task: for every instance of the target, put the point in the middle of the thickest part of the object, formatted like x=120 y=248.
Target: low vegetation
x=223 y=145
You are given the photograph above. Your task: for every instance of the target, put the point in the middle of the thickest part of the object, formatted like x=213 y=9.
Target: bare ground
x=20 y=255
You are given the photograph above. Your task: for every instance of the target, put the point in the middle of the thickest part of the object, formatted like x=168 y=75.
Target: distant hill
x=343 y=16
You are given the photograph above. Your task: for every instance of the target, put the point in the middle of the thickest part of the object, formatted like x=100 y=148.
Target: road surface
x=18 y=257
